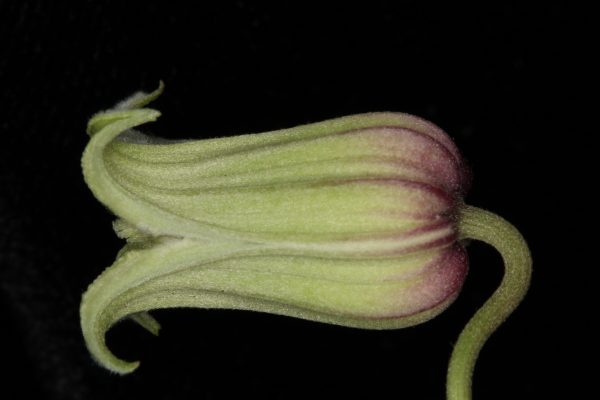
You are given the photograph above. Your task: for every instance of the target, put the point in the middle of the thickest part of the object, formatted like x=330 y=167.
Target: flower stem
x=478 y=224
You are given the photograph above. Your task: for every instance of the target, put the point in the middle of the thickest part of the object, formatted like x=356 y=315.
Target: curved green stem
x=482 y=225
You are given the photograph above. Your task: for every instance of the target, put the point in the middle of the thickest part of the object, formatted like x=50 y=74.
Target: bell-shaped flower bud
x=353 y=221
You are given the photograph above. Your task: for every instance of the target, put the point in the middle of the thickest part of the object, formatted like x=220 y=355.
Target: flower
x=354 y=221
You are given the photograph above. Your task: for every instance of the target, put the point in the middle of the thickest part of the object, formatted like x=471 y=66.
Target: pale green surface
x=306 y=184
x=367 y=293
x=288 y=222
x=482 y=225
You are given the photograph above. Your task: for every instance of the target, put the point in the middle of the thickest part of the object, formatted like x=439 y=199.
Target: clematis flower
x=354 y=221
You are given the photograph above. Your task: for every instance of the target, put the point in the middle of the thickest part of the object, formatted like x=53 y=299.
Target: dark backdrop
x=501 y=78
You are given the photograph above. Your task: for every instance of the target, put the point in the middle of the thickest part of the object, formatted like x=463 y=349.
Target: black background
x=503 y=79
